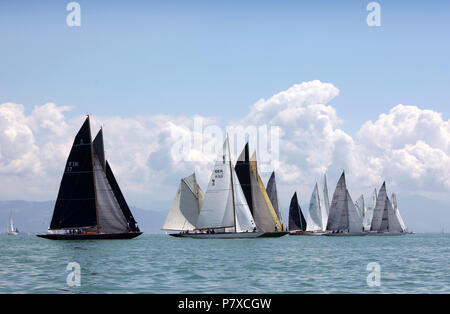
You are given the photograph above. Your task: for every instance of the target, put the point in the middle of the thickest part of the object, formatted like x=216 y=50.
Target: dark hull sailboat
x=229 y=235
x=90 y=204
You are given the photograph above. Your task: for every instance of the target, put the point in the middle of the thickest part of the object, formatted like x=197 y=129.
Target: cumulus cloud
x=408 y=146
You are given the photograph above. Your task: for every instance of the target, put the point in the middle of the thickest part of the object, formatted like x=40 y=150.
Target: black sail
x=296 y=219
x=242 y=169
x=121 y=199
x=75 y=205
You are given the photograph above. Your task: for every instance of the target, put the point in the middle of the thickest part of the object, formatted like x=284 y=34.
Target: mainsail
x=242 y=169
x=360 y=206
x=315 y=222
x=380 y=210
x=266 y=218
x=297 y=221
x=11 y=223
x=76 y=204
x=367 y=221
x=186 y=206
x=393 y=222
x=271 y=190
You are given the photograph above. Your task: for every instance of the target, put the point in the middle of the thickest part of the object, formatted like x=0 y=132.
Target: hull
x=13 y=233
x=229 y=235
x=90 y=236
x=296 y=232
x=318 y=233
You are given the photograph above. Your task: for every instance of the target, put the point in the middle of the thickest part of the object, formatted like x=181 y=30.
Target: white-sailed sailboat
x=185 y=207
x=224 y=213
x=368 y=214
x=11 y=229
x=315 y=223
x=344 y=219
x=385 y=221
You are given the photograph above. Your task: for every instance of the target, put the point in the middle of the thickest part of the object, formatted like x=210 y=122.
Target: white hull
x=13 y=233
x=229 y=235
x=315 y=233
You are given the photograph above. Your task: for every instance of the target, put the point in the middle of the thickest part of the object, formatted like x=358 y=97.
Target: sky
x=147 y=68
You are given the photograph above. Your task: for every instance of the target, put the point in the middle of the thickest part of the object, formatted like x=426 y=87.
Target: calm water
x=162 y=264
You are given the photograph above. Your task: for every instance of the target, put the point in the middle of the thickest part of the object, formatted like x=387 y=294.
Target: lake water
x=417 y=263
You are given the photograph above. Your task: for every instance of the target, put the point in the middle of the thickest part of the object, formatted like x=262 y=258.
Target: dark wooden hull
x=229 y=235
x=91 y=236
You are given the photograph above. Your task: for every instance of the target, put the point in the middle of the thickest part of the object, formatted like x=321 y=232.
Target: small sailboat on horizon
x=90 y=204
x=11 y=229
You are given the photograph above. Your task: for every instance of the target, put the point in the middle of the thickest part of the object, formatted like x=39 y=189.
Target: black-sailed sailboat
x=297 y=222
x=90 y=204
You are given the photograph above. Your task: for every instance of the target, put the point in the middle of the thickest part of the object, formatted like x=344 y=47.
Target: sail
x=11 y=224
x=355 y=220
x=397 y=212
x=75 y=205
x=242 y=169
x=264 y=214
x=367 y=221
x=326 y=199
x=272 y=192
x=379 y=209
x=315 y=212
x=338 y=216
x=184 y=211
x=244 y=218
x=393 y=222
x=217 y=210
x=297 y=221
x=360 y=206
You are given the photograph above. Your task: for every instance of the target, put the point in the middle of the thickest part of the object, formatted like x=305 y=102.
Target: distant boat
x=185 y=207
x=297 y=222
x=344 y=219
x=11 y=229
x=224 y=213
x=385 y=220
x=90 y=204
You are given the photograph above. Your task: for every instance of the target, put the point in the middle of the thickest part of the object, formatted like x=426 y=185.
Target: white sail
x=338 y=216
x=360 y=206
x=393 y=222
x=315 y=222
x=217 y=210
x=244 y=218
x=379 y=209
x=355 y=221
x=367 y=221
x=185 y=207
x=397 y=212
x=326 y=198
x=11 y=224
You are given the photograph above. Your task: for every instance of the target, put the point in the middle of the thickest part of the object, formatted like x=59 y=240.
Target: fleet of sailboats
x=224 y=211
x=90 y=204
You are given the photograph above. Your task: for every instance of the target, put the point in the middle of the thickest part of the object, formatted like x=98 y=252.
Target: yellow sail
x=254 y=169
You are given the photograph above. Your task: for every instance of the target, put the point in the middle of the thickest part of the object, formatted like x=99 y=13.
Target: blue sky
x=217 y=58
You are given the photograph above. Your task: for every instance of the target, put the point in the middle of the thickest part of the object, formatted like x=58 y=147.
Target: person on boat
x=254 y=229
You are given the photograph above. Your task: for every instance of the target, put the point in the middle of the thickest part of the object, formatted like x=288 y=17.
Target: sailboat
x=385 y=221
x=225 y=213
x=90 y=204
x=297 y=222
x=185 y=207
x=11 y=229
x=315 y=223
x=344 y=219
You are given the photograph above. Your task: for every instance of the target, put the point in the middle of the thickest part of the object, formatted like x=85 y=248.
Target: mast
x=232 y=184
x=93 y=174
